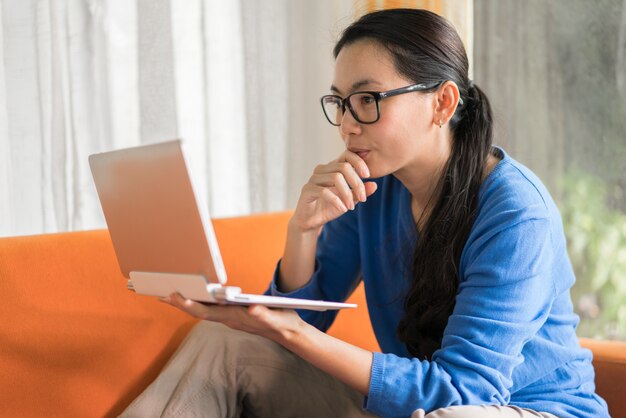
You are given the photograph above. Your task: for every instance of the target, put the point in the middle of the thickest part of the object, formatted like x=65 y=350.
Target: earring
x=440 y=123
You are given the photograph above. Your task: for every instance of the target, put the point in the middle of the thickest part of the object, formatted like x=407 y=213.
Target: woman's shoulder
x=512 y=202
x=513 y=191
x=517 y=221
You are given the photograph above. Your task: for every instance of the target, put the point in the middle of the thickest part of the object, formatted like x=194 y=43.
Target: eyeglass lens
x=363 y=106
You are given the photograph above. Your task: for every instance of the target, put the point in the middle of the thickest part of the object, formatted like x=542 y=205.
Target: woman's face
x=405 y=135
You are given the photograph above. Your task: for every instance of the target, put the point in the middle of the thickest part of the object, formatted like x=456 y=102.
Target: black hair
x=426 y=48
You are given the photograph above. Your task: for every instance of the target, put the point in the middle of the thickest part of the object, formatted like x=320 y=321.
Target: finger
x=370 y=188
x=350 y=175
x=335 y=181
x=186 y=305
x=214 y=313
x=357 y=162
x=360 y=166
x=330 y=196
x=354 y=180
x=312 y=193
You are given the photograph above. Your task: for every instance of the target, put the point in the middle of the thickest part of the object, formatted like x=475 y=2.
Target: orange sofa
x=75 y=343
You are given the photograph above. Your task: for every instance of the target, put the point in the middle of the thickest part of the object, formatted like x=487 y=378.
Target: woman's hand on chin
x=332 y=190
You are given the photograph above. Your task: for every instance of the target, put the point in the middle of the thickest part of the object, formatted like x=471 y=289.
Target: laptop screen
x=155 y=221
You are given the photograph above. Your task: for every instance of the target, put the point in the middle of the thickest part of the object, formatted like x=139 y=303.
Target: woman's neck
x=422 y=184
x=422 y=176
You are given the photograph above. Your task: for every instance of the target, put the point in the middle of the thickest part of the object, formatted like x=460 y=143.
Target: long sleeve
x=337 y=270
x=503 y=300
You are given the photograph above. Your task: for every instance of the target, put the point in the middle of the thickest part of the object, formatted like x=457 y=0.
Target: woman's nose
x=349 y=125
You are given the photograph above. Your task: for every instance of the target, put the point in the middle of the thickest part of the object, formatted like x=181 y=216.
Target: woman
x=460 y=247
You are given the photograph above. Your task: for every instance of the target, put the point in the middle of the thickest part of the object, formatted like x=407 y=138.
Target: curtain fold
x=238 y=81
x=6 y=167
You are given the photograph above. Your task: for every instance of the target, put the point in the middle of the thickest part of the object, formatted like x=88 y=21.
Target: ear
x=446 y=102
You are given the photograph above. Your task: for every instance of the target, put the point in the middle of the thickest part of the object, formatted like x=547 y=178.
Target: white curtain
x=239 y=81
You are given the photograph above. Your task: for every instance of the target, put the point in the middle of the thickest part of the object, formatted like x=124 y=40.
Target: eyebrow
x=355 y=86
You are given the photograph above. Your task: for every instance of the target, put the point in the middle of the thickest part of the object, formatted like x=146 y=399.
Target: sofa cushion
x=75 y=342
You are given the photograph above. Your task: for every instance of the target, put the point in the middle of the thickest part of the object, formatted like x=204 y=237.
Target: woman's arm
x=346 y=362
x=298 y=261
x=333 y=189
x=350 y=364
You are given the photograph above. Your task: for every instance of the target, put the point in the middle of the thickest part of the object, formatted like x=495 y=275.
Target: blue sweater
x=511 y=337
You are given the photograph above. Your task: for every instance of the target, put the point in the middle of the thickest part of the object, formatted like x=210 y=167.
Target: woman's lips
x=360 y=152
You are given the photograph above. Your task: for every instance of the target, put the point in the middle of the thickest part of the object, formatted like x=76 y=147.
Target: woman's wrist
x=295 y=228
x=295 y=334
x=298 y=261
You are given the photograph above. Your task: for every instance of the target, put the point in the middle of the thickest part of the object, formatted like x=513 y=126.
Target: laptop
x=162 y=235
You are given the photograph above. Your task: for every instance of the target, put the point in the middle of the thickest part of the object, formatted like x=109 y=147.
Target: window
x=555 y=73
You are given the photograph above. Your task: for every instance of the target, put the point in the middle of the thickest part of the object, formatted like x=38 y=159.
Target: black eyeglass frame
x=378 y=96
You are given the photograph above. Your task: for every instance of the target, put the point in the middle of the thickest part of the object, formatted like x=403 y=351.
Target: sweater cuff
x=374 y=401
x=308 y=291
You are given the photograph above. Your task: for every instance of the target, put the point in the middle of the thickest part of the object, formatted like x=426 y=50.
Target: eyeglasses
x=364 y=105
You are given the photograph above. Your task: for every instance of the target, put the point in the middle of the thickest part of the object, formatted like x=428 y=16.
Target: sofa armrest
x=609 y=361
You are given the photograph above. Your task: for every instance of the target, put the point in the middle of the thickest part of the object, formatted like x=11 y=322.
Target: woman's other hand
x=279 y=325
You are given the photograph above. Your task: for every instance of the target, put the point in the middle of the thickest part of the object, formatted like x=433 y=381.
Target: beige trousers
x=219 y=372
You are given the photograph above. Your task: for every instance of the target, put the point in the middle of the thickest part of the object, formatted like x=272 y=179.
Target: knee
x=472 y=411
x=216 y=338
x=210 y=330
x=215 y=334
x=458 y=411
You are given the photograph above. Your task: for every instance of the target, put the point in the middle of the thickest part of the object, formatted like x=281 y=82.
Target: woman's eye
x=367 y=100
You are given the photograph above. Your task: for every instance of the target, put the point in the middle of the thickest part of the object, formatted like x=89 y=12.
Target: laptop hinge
x=191 y=286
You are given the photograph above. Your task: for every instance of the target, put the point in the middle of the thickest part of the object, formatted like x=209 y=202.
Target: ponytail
x=437 y=255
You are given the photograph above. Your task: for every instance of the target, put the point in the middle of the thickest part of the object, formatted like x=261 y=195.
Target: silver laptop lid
x=155 y=220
